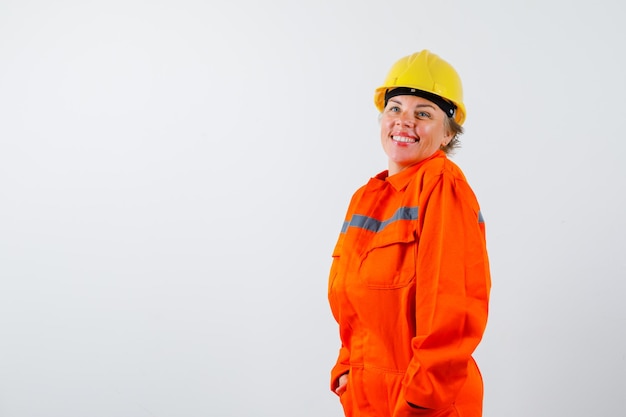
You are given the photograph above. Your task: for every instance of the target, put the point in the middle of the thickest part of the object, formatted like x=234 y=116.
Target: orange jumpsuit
x=409 y=287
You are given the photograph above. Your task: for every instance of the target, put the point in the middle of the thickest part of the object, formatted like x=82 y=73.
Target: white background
x=174 y=174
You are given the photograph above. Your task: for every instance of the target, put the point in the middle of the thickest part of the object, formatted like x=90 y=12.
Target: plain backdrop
x=174 y=175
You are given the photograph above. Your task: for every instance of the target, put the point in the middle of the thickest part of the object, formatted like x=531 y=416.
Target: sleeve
x=342 y=365
x=452 y=294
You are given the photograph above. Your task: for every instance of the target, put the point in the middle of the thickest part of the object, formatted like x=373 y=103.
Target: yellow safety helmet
x=425 y=72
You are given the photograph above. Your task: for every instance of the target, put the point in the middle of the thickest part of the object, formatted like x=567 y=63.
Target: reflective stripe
x=373 y=225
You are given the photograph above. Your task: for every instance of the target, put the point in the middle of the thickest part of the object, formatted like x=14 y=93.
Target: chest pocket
x=389 y=261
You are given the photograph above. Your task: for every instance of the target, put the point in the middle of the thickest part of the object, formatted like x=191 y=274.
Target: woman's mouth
x=404 y=139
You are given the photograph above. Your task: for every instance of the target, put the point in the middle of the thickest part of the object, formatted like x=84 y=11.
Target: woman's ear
x=446 y=139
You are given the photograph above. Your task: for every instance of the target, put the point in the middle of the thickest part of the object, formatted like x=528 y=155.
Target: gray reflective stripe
x=373 y=225
x=480 y=217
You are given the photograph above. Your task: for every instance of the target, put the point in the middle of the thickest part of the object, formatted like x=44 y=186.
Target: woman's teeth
x=404 y=139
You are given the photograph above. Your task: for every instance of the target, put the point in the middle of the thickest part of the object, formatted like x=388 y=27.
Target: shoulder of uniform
x=440 y=165
x=453 y=169
x=436 y=170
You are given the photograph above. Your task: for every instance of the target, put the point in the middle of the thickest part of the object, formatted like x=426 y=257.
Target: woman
x=409 y=283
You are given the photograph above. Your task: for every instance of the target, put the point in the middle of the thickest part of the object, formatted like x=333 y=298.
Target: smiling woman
x=412 y=129
x=409 y=283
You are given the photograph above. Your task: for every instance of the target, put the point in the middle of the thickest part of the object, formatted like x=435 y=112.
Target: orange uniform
x=409 y=287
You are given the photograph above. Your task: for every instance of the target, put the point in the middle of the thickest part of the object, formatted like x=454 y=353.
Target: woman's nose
x=405 y=120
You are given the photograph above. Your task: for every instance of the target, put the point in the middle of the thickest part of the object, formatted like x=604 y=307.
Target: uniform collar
x=400 y=180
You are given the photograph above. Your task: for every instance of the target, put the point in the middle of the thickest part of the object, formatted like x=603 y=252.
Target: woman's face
x=411 y=129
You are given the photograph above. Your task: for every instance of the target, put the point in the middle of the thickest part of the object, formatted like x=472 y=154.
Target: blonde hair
x=456 y=130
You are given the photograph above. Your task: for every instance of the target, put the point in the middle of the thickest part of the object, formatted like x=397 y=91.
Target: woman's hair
x=457 y=130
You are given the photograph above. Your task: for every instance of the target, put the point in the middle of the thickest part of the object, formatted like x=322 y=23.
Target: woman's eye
x=422 y=115
x=394 y=109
